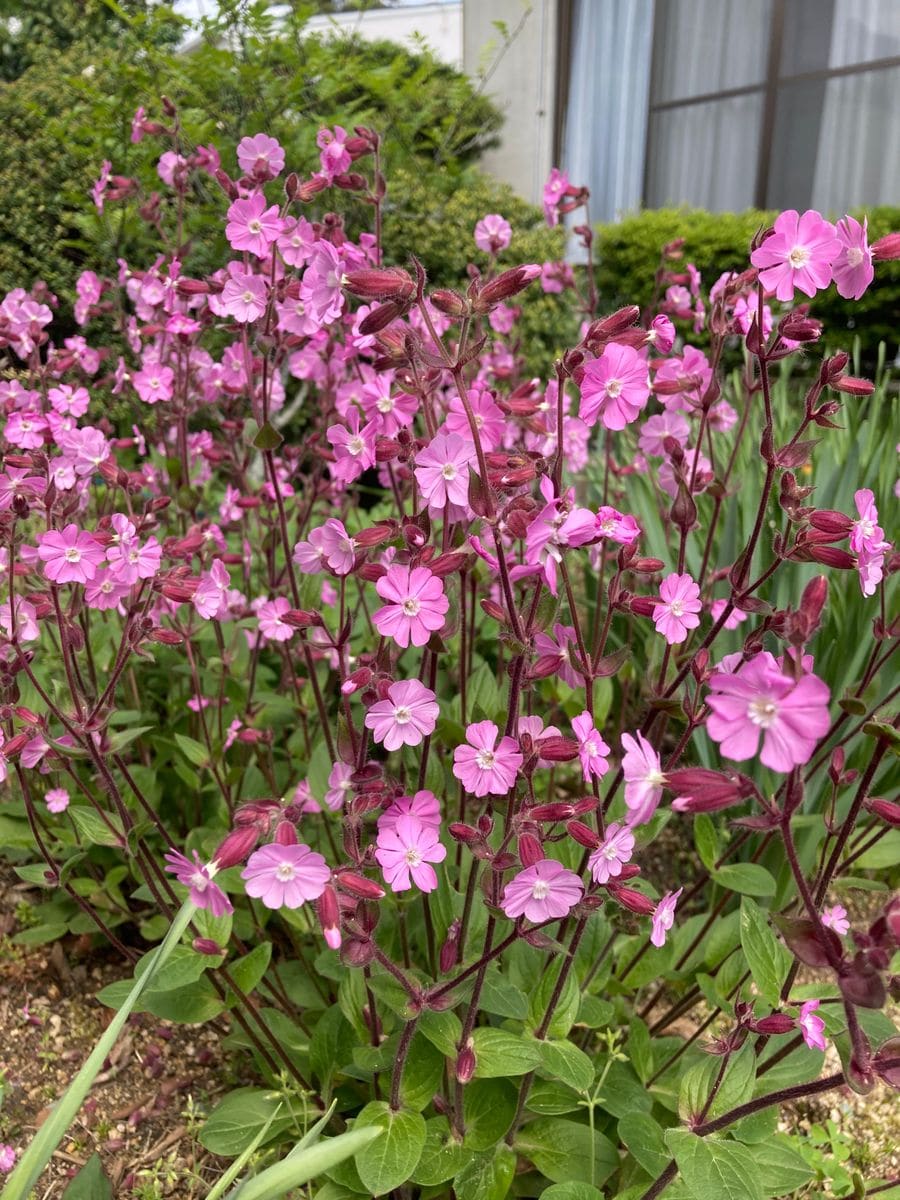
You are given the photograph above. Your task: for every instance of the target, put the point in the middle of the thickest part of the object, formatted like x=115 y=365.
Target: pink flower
x=211 y=596
x=105 y=592
x=340 y=788
x=492 y=234
x=662 y=334
x=334 y=157
x=199 y=878
x=25 y=430
x=655 y=430
x=154 y=383
x=296 y=241
x=690 y=375
x=423 y=806
x=545 y=646
x=554 y=189
x=338 y=546
x=542 y=892
x=57 y=800
x=26 y=627
x=798 y=255
x=442 y=470
x=866 y=536
x=592 y=750
x=253 y=227
x=736 y=617
x=321 y=288
x=16 y=481
x=663 y=917
x=285 y=876
x=614 y=851
x=260 y=156
x=614 y=387
x=354 y=447
x=72 y=556
x=643 y=778
x=811 y=1026
x=7 y=1157
x=405 y=848
x=130 y=561
x=408 y=715
x=271 y=625
x=853 y=270
x=677 y=608
x=244 y=295
x=98 y=191
x=482 y=765
x=310 y=555
x=836 y=918
x=416 y=607
x=69 y=401
x=489 y=418
x=618 y=527
x=759 y=699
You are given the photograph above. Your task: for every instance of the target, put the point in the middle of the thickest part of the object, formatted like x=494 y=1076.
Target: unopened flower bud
x=643 y=606
x=207 y=946
x=555 y=811
x=165 y=637
x=701 y=790
x=450 y=303
x=827 y=520
x=450 y=948
x=530 y=850
x=634 y=901
x=887 y=810
x=583 y=835
x=357 y=952
x=830 y=556
x=507 y=284
x=886 y=248
x=329 y=913
x=800 y=328
x=852 y=386
x=557 y=749
x=774 y=1024
x=466 y=1064
x=285 y=834
x=236 y=846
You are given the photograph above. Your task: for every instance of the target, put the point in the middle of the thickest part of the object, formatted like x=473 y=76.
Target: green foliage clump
x=628 y=255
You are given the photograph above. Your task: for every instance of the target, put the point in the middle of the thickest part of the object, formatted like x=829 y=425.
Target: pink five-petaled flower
x=852 y=269
x=759 y=699
x=199 y=878
x=542 y=892
x=811 y=1026
x=57 y=801
x=261 y=156
x=614 y=851
x=334 y=156
x=244 y=295
x=663 y=917
x=338 y=547
x=211 y=596
x=408 y=715
x=285 y=876
x=799 y=254
x=482 y=764
x=644 y=779
x=340 y=787
x=423 y=806
x=405 y=850
x=416 y=607
x=592 y=750
x=442 y=470
x=272 y=626
x=677 y=608
x=554 y=189
x=154 y=383
x=493 y=233
x=868 y=542
x=836 y=918
x=253 y=227
x=614 y=387
x=71 y=556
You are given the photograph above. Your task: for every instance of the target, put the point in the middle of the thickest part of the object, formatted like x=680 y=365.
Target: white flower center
x=285 y=872
x=610 y=852
x=402 y=714
x=247 y=296
x=356 y=445
x=866 y=528
x=199 y=881
x=762 y=712
x=613 y=387
x=254 y=226
x=854 y=256
x=411 y=606
x=448 y=470
x=73 y=554
x=413 y=857
x=484 y=760
x=655 y=778
x=676 y=608
x=540 y=889
x=385 y=404
x=798 y=257
x=590 y=747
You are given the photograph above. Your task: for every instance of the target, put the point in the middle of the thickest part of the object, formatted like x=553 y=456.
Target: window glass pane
x=838 y=33
x=704 y=46
x=705 y=154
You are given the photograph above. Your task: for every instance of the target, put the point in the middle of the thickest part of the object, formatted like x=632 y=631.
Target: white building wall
x=523 y=85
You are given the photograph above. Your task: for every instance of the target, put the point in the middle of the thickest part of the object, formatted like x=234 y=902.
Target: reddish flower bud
x=813 y=946
x=16 y=744
x=886 y=1061
x=466 y=834
x=450 y=949
x=285 y=834
x=634 y=901
x=165 y=637
x=853 y=387
x=886 y=248
x=800 y=328
x=376 y=535
x=466 y=1064
x=359 y=886
x=447 y=564
x=555 y=811
x=207 y=946
x=530 y=850
x=861 y=984
x=388 y=283
x=827 y=520
x=776 y=1023
x=646 y=566
x=643 y=606
x=380 y=317
x=236 y=846
x=491 y=609
x=507 y=284
x=557 y=749
x=583 y=835
x=329 y=913
x=451 y=303
x=701 y=790
x=887 y=810
x=829 y=556
x=357 y=952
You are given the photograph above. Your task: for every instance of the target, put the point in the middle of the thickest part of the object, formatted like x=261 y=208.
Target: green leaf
x=183 y=967
x=423 y=1074
x=124 y=737
x=390 y=1160
x=331 y=1045
x=565 y=1061
x=40 y=935
x=91 y=1182
x=486 y=1176
x=640 y=1048
x=562 y=1150
x=595 y=1013
x=736 y=1086
x=571 y=1191
x=768 y=959
x=237 y=1119
x=566 y=1008
x=781 y=1168
x=94 y=828
x=443 y=1029
x=489 y=1106
x=750 y=879
x=715 y=1170
x=192 y=751
x=885 y=853
x=706 y=841
x=548 y=1098
x=500 y=1055
x=644 y=1139
x=249 y=970
x=442 y=1156
x=267 y=437
x=502 y=998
